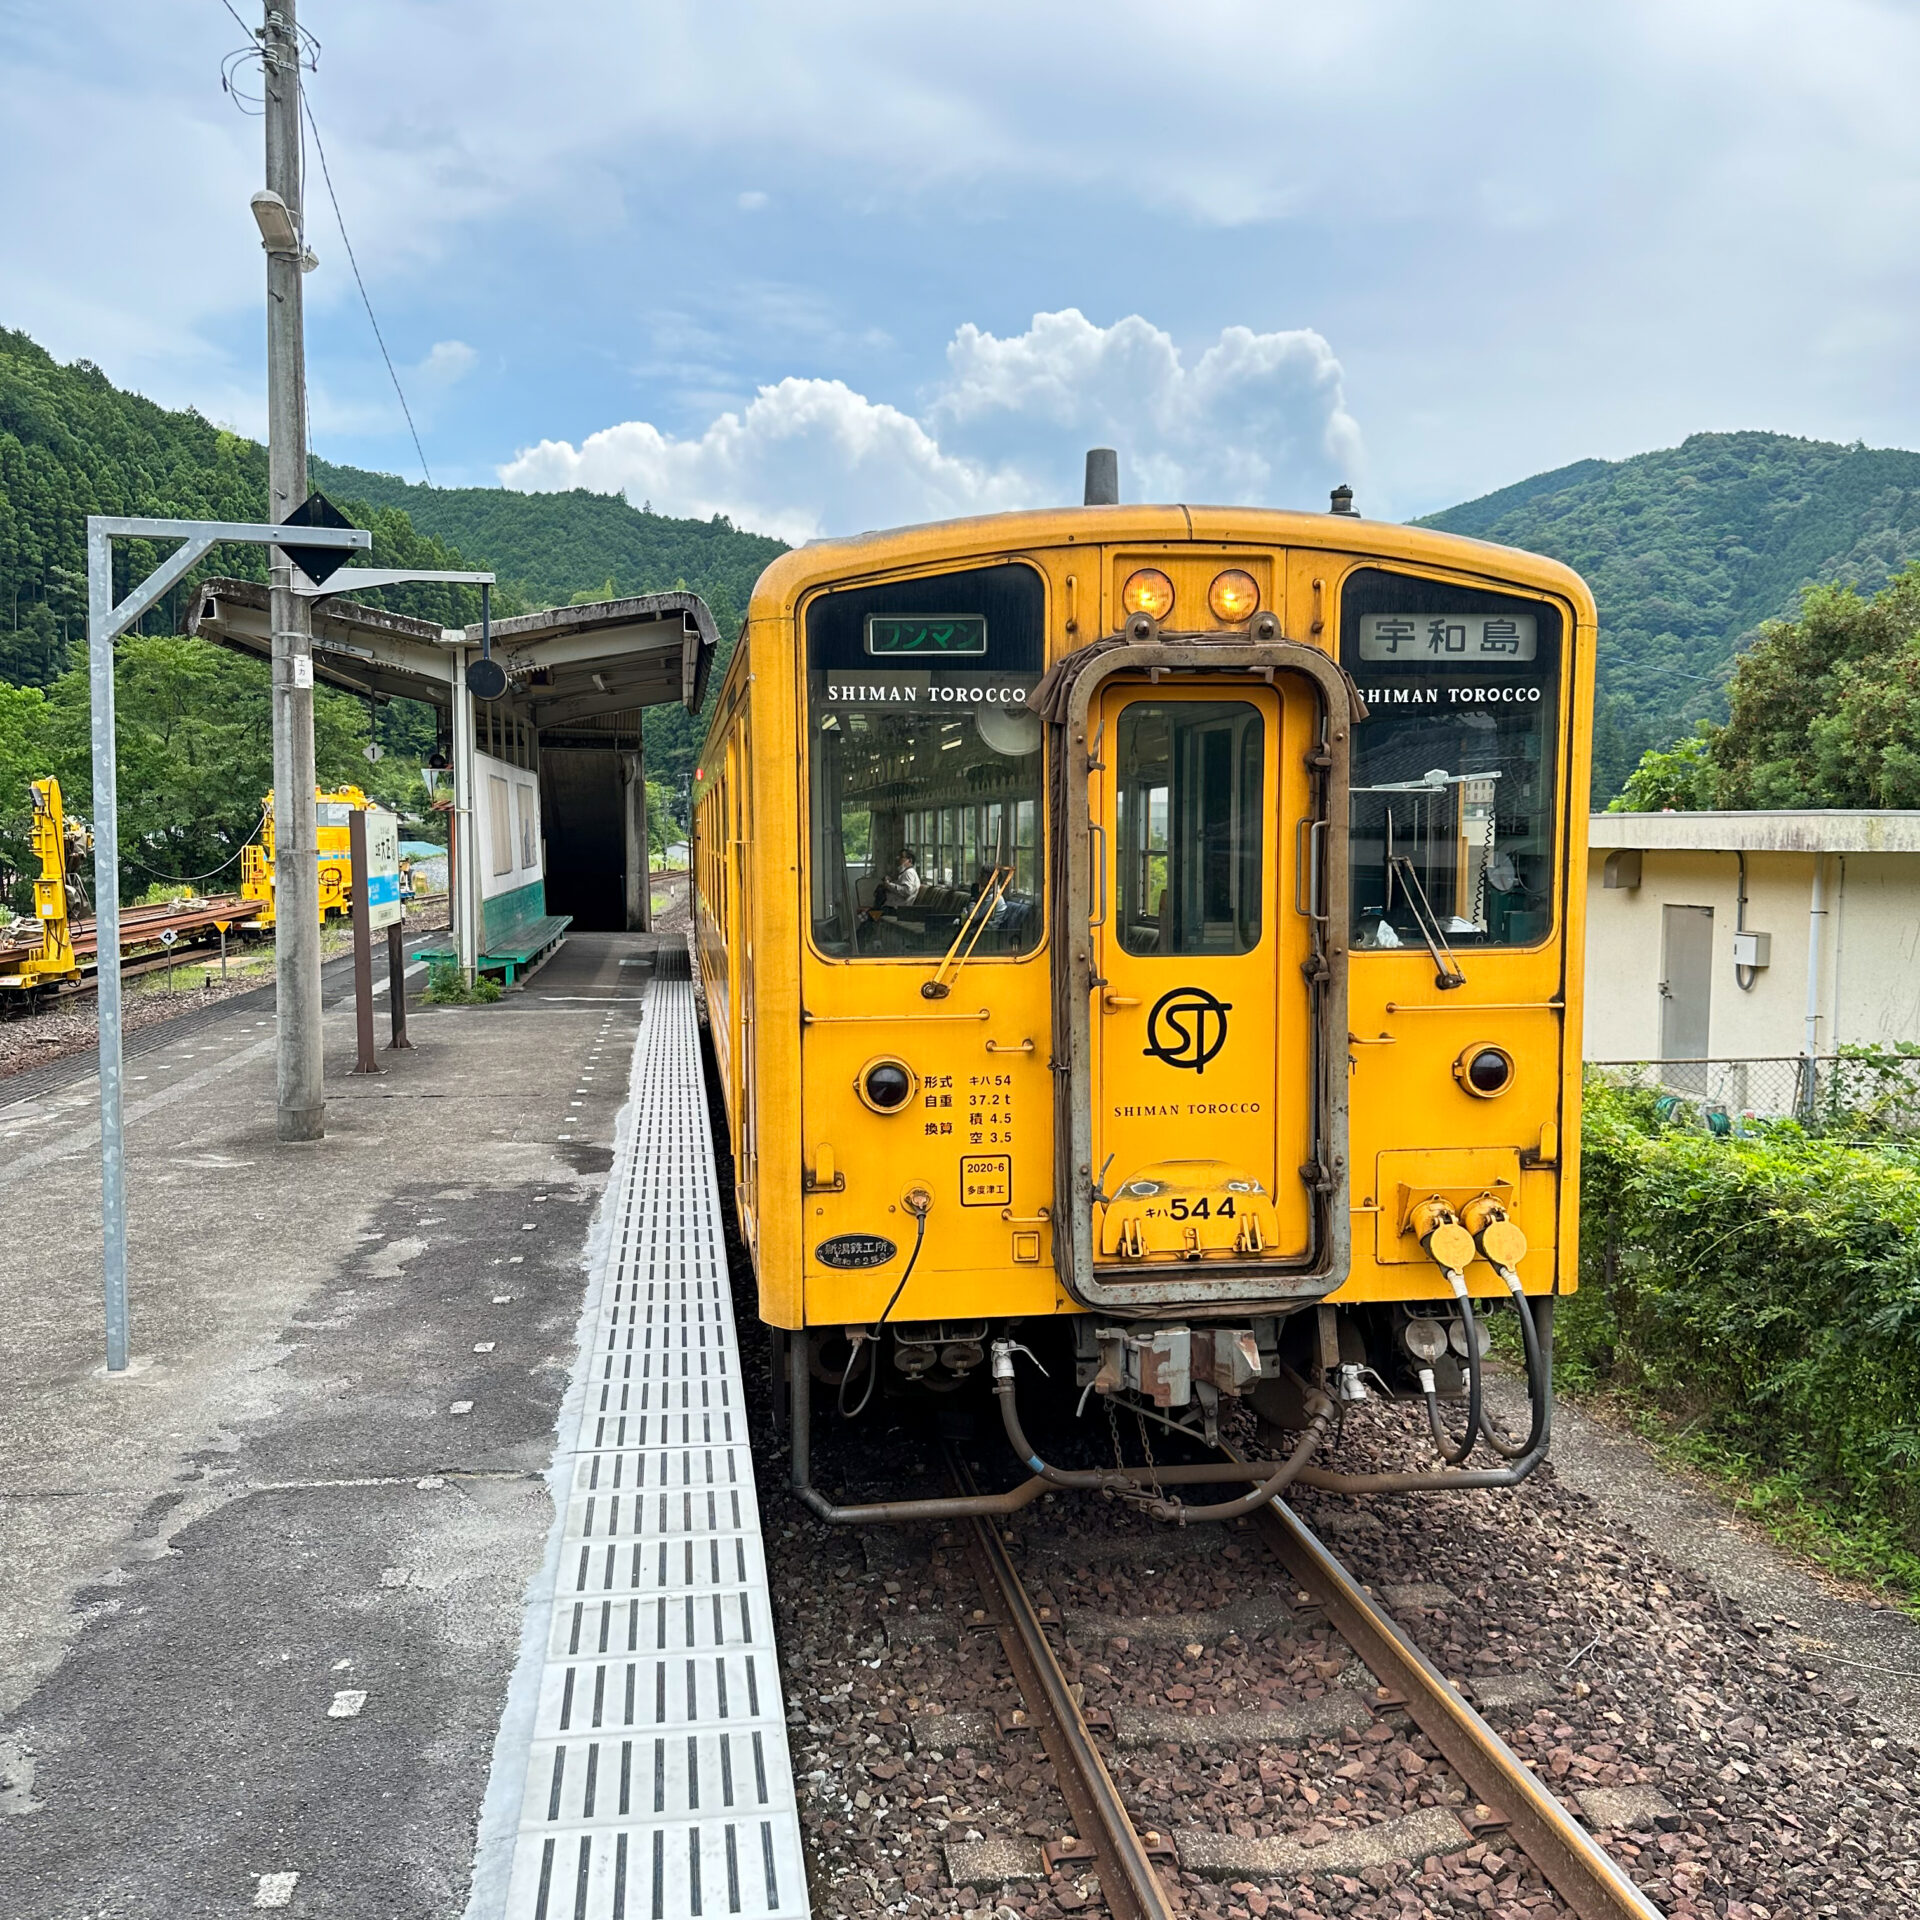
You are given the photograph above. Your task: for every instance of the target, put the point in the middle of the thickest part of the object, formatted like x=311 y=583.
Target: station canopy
x=565 y=667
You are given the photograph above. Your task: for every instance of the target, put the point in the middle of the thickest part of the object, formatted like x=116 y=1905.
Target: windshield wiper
x=1447 y=974
x=975 y=921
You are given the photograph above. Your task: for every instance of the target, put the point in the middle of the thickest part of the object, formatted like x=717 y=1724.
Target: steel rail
x=1128 y=1882
x=1575 y=1865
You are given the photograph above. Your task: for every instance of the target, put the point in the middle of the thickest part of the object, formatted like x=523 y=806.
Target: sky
x=844 y=265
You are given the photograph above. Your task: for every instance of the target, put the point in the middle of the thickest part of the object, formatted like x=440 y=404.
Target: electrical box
x=1752 y=949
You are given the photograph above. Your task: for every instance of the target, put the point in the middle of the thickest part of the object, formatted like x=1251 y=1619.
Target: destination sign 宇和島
x=1489 y=639
x=947 y=633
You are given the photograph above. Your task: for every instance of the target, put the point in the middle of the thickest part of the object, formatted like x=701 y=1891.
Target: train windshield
x=1452 y=815
x=924 y=794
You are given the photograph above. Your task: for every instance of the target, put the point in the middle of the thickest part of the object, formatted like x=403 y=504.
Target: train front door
x=1202 y=1018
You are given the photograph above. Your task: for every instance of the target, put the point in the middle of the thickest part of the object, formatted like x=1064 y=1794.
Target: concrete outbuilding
x=1751 y=936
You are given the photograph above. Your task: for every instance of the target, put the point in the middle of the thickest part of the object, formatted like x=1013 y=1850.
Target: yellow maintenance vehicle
x=336 y=860
x=49 y=960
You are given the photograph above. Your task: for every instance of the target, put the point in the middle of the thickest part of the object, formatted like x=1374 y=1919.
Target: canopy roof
x=564 y=666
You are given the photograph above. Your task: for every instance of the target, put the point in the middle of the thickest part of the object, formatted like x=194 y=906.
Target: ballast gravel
x=1750 y=1786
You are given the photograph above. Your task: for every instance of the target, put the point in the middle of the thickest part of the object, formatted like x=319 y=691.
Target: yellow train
x=1156 y=928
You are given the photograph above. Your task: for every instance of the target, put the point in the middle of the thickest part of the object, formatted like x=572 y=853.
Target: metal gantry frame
x=106 y=621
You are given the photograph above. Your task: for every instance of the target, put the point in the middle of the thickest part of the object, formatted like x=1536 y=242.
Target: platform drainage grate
x=659 y=1783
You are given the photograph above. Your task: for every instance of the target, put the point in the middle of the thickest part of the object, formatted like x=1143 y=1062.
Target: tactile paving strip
x=659 y=1784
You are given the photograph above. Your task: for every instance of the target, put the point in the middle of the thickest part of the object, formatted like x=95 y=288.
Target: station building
x=548 y=781
x=1751 y=940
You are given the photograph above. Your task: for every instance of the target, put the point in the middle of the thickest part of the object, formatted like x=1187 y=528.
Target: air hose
x=1503 y=1246
x=919 y=1202
x=1451 y=1248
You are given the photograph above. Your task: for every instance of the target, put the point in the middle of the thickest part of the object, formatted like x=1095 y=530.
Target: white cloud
x=753 y=200
x=449 y=362
x=1257 y=418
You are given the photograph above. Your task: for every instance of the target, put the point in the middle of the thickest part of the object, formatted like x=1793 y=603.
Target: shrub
x=447 y=987
x=1767 y=1289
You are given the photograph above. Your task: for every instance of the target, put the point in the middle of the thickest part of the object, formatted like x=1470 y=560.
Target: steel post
x=106 y=907
x=464 y=867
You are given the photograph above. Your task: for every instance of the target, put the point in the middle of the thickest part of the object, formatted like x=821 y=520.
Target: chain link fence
x=1860 y=1092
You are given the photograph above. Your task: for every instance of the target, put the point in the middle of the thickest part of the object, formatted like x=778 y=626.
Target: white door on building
x=1686 y=992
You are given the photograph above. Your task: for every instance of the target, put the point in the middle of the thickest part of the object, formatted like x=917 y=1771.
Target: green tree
x=1680 y=778
x=25 y=753
x=1824 y=711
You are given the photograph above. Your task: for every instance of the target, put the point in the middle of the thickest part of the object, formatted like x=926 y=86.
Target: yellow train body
x=1151 y=919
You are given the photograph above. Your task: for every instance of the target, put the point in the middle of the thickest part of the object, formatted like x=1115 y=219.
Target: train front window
x=1188 y=836
x=1452 y=808
x=924 y=774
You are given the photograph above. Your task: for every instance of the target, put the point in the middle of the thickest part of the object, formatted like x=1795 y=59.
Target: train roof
x=858 y=555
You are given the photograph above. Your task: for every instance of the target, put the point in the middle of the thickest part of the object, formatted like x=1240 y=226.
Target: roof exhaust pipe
x=1103 y=477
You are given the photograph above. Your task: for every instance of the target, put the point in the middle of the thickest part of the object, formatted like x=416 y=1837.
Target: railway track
x=1508 y=1798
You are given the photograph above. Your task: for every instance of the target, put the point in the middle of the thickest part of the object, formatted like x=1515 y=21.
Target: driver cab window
x=924 y=765
x=1452 y=795
x=1189 y=829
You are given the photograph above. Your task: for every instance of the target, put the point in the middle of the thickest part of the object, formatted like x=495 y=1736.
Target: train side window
x=1454 y=769
x=1190 y=832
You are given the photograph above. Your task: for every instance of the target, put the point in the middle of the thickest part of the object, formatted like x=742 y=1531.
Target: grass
x=1794 y=1511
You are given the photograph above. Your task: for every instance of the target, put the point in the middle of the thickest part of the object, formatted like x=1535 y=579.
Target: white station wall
x=507 y=826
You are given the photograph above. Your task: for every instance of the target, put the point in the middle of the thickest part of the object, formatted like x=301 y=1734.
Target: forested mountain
x=1689 y=549
x=552 y=546
x=194 y=718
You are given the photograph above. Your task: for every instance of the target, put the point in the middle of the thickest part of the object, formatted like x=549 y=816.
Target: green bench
x=518 y=947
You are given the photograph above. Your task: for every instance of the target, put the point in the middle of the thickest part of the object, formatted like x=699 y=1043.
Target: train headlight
x=1234 y=596
x=1485 y=1071
x=1148 y=591
x=886 y=1085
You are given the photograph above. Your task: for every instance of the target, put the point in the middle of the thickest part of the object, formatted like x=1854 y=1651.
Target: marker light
x=1148 y=591
x=1234 y=596
x=1484 y=1071
x=885 y=1085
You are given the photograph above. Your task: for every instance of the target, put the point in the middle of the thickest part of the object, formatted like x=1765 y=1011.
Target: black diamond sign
x=317 y=563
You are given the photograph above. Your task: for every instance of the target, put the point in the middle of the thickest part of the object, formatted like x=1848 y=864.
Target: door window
x=1189 y=826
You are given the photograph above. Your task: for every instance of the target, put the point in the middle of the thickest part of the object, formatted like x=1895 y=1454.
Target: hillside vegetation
x=1690 y=549
x=194 y=721
x=552 y=546
x=1823 y=711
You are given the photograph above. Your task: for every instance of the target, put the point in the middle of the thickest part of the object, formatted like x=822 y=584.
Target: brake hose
x=1451 y=1248
x=1536 y=1380
x=873 y=1339
x=1453 y=1454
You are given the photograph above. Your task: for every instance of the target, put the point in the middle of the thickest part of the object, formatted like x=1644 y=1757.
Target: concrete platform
x=260 y=1598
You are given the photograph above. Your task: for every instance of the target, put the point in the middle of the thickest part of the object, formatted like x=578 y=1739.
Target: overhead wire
x=340 y=220
x=230 y=68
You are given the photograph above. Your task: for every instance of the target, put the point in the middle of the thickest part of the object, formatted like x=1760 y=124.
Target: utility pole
x=301 y=1077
